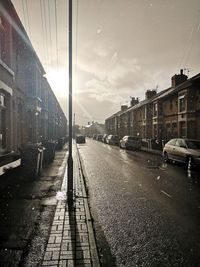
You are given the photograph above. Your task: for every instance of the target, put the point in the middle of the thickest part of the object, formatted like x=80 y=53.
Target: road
x=146 y=213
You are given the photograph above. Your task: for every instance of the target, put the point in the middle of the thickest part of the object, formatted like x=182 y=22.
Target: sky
x=121 y=48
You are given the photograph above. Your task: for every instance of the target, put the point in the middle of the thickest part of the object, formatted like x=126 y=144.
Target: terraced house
x=173 y=112
x=29 y=110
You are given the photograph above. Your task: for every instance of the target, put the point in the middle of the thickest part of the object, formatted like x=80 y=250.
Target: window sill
x=4 y=65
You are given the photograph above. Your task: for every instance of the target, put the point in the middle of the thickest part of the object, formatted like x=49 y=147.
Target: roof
x=173 y=90
x=163 y=93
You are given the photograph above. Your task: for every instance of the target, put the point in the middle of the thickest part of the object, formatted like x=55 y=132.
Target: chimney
x=124 y=107
x=134 y=101
x=179 y=78
x=150 y=93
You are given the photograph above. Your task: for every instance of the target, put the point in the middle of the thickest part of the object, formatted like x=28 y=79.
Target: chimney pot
x=178 y=78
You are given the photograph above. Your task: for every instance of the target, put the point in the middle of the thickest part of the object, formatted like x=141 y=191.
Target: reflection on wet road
x=146 y=211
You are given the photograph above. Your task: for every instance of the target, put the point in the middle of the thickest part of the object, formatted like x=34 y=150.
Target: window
x=155 y=131
x=155 y=109
x=2 y=100
x=182 y=105
x=171 y=104
x=174 y=129
x=2 y=40
x=144 y=113
x=160 y=110
x=182 y=129
x=172 y=142
x=180 y=143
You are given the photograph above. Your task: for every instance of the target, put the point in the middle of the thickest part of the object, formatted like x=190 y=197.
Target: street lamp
x=70 y=159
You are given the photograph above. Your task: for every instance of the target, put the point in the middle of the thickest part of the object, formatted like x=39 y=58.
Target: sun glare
x=58 y=80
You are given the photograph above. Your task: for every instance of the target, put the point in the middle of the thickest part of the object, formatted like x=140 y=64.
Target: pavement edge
x=92 y=240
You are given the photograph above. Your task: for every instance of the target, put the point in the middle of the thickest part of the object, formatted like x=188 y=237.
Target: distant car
x=130 y=142
x=99 y=137
x=104 y=138
x=183 y=150
x=80 y=139
x=112 y=140
x=94 y=136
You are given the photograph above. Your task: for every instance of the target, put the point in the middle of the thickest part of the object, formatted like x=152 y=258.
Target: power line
x=77 y=15
x=192 y=42
x=43 y=34
x=29 y=30
x=45 y=28
x=23 y=9
x=188 y=48
x=76 y=47
x=56 y=31
x=50 y=38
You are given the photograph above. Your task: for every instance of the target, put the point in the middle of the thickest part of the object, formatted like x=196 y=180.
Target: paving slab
x=71 y=241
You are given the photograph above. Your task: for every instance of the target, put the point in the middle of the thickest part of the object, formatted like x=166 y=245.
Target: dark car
x=183 y=150
x=94 y=137
x=80 y=139
x=112 y=140
x=130 y=142
x=99 y=137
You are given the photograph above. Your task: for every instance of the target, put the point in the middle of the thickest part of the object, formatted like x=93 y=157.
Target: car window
x=132 y=138
x=180 y=143
x=172 y=142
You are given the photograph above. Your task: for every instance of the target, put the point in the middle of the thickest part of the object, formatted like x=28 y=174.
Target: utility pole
x=74 y=119
x=70 y=159
x=74 y=128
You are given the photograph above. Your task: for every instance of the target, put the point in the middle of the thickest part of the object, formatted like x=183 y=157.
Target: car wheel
x=165 y=157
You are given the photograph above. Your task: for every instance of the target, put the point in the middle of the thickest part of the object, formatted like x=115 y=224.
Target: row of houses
x=173 y=112
x=29 y=110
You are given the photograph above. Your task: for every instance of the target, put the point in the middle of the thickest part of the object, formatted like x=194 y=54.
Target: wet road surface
x=146 y=213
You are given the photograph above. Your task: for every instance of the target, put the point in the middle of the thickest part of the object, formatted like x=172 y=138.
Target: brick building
x=29 y=110
x=173 y=112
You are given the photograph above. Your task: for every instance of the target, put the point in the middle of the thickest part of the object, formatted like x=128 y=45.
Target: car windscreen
x=193 y=144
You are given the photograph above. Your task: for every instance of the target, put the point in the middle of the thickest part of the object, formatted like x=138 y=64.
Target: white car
x=182 y=150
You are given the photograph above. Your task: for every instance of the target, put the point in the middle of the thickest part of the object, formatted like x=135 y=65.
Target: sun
x=58 y=80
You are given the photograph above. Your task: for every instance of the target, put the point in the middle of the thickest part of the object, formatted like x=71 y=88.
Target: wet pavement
x=146 y=212
x=27 y=208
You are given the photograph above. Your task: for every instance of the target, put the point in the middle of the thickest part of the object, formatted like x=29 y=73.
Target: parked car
x=80 y=139
x=112 y=140
x=182 y=150
x=130 y=142
x=94 y=137
x=99 y=137
x=104 y=138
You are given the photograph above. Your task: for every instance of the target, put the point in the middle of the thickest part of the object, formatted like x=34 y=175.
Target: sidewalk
x=71 y=242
